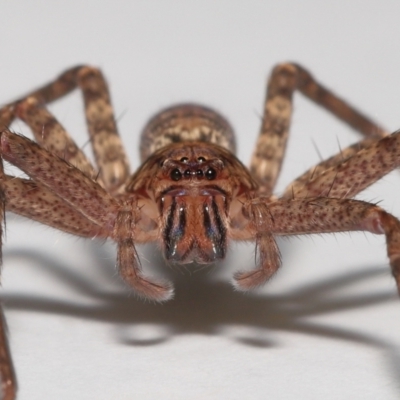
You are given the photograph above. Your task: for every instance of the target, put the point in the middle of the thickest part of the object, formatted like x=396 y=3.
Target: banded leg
x=50 y=134
x=346 y=179
x=63 y=85
x=107 y=146
x=271 y=144
x=324 y=215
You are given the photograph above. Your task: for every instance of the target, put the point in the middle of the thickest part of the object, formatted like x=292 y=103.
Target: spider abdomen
x=186 y=123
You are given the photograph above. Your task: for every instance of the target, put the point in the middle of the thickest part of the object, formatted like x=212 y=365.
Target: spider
x=191 y=194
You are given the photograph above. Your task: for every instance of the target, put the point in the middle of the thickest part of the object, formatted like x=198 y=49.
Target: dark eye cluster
x=193 y=169
x=210 y=174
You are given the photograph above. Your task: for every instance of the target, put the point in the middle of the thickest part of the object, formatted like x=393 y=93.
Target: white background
x=328 y=325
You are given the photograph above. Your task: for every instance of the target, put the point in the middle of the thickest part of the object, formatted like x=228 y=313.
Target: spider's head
x=195 y=187
x=193 y=202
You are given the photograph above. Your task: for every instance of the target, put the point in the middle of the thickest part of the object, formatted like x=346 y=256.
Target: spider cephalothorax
x=191 y=194
x=194 y=185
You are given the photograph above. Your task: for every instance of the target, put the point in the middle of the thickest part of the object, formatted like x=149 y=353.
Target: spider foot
x=151 y=289
x=247 y=280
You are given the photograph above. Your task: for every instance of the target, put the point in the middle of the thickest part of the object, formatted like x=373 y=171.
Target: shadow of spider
x=204 y=306
x=201 y=305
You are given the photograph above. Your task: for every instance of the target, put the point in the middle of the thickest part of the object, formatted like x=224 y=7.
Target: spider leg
x=255 y=223
x=25 y=197
x=347 y=178
x=330 y=162
x=64 y=180
x=7 y=373
x=269 y=261
x=32 y=200
x=117 y=221
x=324 y=215
x=271 y=144
x=51 y=135
x=107 y=146
x=128 y=261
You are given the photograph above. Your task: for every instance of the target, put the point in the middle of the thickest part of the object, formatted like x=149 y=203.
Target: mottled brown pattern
x=150 y=177
x=191 y=194
x=51 y=134
x=64 y=180
x=271 y=144
x=186 y=123
x=107 y=145
x=316 y=92
x=270 y=149
x=346 y=179
x=330 y=162
x=32 y=200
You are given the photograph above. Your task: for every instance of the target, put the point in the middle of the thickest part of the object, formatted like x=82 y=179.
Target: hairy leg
x=107 y=146
x=268 y=263
x=330 y=162
x=115 y=219
x=324 y=215
x=347 y=178
x=32 y=200
x=270 y=147
x=255 y=224
x=50 y=134
x=27 y=198
x=61 y=178
x=128 y=261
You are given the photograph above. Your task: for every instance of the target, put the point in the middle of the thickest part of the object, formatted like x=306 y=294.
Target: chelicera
x=191 y=194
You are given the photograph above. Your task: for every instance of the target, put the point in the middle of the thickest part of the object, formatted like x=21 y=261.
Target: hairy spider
x=191 y=194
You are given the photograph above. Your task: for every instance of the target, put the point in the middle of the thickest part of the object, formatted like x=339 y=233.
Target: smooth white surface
x=326 y=327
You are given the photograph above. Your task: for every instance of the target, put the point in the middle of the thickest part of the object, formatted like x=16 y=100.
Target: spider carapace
x=191 y=194
x=192 y=183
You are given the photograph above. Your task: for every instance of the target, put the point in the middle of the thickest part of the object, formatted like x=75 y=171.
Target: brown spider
x=191 y=194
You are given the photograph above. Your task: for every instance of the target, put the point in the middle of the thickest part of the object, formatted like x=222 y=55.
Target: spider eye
x=176 y=174
x=201 y=159
x=211 y=174
x=199 y=173
x=184 y=159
